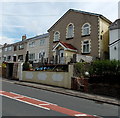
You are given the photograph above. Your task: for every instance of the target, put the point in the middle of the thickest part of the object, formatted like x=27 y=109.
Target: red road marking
x=31 y=100
x=45 y=105
x=11 y=94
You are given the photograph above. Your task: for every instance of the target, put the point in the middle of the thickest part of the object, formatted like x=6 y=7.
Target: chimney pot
x=23 y=37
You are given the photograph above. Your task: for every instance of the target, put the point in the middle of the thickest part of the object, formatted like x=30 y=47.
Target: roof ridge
x=86 y=12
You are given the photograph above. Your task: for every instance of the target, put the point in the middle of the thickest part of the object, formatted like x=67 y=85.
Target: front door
x=61 y=55
x=14 y=58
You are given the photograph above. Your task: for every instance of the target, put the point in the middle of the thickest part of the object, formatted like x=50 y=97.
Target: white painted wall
x=114 y=48
x=119 y=50
x=114 y=35
x=39 y=48
x=114 y=51
x=118 y=33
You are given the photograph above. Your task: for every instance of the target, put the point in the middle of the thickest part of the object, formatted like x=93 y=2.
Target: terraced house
x=38 y=48
x=15 y=52
x=79 y=34
x=1 y=53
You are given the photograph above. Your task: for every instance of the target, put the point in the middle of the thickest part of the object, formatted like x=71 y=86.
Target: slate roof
x=115 y=25
x=32 y=38
x=84 y=12
x=39 y=36
x=95 y=14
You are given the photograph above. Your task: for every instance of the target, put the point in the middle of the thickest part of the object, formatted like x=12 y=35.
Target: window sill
x=55 y=41
x=85 y=35
x=84 y=53
x=69 y=38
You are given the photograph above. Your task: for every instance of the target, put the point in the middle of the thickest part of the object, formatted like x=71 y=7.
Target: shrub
x=26 y=66
x=105 y=71
x=81 y=68
x=105 y=67
x=3 y=65
x=101 y=71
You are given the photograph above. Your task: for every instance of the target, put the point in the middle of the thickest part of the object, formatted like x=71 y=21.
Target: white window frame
x=32 y=44
x=19 y=57
x=21 y=46
x=32 y=55
x=56 y=36
x=42 y=53
x=9 y=48
x=69 y=32
x=6 y=49
x=4 y=58
x=42 y=42
x=9 y=58
x=86 y=30
x=85 y=44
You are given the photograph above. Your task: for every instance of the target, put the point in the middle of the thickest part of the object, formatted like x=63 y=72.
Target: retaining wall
x=60 y=79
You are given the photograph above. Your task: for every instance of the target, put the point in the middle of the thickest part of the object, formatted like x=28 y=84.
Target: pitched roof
x=32 y=38
x=115 y=25
x=39 y=36
x=83 y=12
x=66 y=46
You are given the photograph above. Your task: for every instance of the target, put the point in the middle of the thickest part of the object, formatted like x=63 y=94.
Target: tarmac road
x=11 y=107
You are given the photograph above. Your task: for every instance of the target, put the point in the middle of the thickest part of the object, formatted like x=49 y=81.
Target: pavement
x=97 y=98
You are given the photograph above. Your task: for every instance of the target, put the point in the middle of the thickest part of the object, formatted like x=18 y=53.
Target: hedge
x=101 y=71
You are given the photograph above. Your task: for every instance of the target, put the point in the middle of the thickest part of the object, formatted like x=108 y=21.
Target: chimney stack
x=5 y=44
x=24 y=37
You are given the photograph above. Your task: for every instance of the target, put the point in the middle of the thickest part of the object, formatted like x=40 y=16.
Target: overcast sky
x=34 y=17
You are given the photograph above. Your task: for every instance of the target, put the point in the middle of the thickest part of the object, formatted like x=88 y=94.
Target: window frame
x=21 y=46
x=9 y=48
x=87 y=44
x=58 y=36
x=15 y=47
x=42 y=42
x=9 y=58
x=32 y=44
x=68 y=31
x=32 y=55
x=6 y=49
x=41 y=54
x=19 y=57
x=86 y=29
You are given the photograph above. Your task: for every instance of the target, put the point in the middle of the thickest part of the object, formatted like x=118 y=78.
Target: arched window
x=86 y=30
x=70 y=31
x=56 y=36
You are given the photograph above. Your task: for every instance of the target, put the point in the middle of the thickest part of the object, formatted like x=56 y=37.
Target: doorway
x=10 y=70
x=14 y=58
x=61 y=55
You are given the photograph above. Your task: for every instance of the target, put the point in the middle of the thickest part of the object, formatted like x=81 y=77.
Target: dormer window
x=86 y=29
x=70 y=31
x=56 y=36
